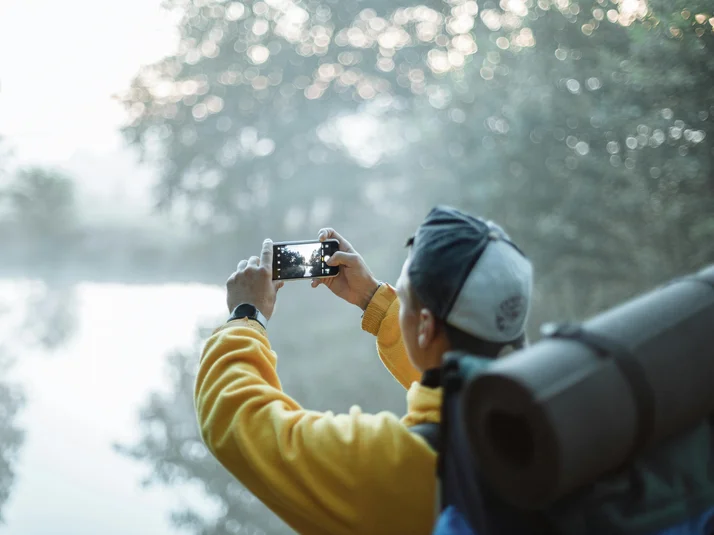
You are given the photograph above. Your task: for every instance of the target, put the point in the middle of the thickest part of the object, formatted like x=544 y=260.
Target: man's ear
x=427 y=328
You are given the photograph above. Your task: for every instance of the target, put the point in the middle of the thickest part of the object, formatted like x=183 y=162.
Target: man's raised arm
x=356 y=284
x=321 y=473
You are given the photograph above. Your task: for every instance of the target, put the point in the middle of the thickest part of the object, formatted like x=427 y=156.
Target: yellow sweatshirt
x=321 y=473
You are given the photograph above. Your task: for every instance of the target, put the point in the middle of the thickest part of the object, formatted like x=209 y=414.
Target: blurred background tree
x=39 y=221
x=556 y=118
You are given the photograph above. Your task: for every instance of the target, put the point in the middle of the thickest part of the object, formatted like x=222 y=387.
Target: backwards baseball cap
x=468 y=273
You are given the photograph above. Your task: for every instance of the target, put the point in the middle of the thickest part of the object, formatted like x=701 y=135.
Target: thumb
x=343 y=259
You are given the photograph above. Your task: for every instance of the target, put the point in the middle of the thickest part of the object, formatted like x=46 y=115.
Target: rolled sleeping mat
x=582 y=402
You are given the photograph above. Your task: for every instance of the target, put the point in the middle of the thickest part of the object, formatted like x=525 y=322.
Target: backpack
x=665 y=486
x=469 y=506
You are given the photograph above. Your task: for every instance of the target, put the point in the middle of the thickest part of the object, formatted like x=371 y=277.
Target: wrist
x=249 y=311
x=378 y=307
x=370 y=294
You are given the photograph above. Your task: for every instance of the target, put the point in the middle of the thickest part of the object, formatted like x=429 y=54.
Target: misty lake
x=85 y=396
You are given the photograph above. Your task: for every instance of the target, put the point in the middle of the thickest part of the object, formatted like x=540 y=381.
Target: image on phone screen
x=304 y=260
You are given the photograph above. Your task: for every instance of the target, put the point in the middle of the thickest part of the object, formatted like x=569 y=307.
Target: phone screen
x=304 y=260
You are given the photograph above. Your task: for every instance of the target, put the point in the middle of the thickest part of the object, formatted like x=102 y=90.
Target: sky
x=305 y=250
x=60 y=65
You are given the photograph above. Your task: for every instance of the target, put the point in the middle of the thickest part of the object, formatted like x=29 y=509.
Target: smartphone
x=293 y=260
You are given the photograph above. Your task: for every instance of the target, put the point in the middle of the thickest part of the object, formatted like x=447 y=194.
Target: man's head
x=464 y=286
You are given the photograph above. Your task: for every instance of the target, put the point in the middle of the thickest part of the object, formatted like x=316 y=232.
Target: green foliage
x=555 y=118
x=592 y=147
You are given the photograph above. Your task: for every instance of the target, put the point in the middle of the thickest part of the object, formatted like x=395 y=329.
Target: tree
x=315 y=262
x=581 y=151
x=515 y=107
x=292 y=263
x=244 y=119
x=39 y=224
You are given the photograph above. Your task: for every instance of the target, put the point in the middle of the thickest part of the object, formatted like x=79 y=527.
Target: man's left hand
x=253 y=282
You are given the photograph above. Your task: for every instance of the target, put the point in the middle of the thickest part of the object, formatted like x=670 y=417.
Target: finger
x=279 y=285
x=254 y=261
x=266 y=255
x=331 y=234
x=316 y=283
x=242 y=265
x=343 y=259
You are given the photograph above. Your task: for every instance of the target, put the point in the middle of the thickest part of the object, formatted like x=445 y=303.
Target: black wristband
x=246 y=310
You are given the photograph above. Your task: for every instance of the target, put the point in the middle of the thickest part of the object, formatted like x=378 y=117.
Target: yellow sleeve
x=322 y=473
x=382 y=319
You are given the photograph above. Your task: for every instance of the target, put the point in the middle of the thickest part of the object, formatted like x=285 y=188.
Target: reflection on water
x=86 y=398
x=11 y=435
x=113 y=407
x=36 y=314
x=51 y=314
x=171 y=445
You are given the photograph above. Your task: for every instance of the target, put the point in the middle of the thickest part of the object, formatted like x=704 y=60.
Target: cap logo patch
x=509 y=311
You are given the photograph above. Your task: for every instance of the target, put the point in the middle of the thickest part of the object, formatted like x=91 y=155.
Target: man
x=464 y=285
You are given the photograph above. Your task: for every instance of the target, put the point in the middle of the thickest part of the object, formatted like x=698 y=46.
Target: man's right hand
x=355 y=283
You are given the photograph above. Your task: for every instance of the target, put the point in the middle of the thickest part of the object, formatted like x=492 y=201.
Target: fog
x=145 y=150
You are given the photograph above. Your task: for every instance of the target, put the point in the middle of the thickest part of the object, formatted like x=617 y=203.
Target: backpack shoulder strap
x=430 y=432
